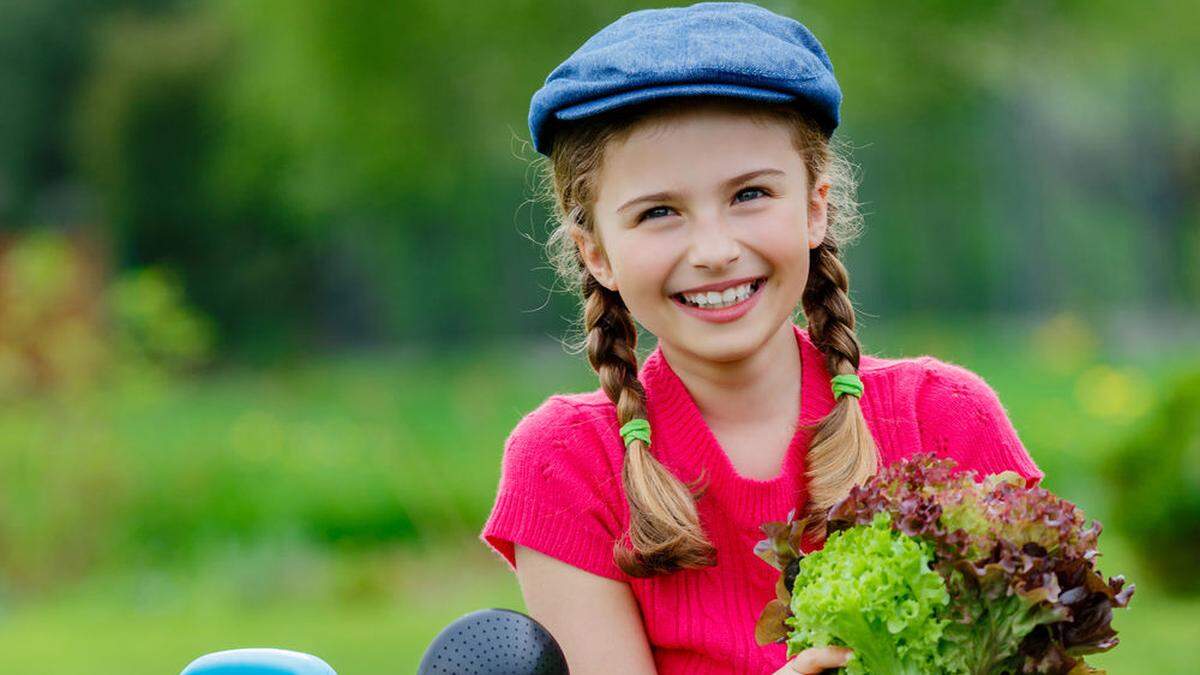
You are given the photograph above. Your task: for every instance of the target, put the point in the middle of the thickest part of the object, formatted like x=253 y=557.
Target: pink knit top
x=560 y=490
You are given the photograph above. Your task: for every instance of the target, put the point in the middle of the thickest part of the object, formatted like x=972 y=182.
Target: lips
x=755 y=282
x=722 y=312
x=720 y=285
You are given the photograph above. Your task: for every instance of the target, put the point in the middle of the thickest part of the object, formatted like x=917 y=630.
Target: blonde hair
x=664 y=530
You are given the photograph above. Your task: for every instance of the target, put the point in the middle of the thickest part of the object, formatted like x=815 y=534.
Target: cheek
x=642 y=266
x=783 y=237
x=783 y=243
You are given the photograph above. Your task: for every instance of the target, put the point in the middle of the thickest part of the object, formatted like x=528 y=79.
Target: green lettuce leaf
x=871 y=589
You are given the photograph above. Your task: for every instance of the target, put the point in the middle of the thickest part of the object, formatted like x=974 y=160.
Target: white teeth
x=714 y=299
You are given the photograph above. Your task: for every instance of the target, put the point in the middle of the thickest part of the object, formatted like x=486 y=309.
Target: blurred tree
x=333 y=173
x=44 y=48
x=151 y=135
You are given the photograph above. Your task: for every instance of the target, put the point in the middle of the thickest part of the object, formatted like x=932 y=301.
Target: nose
x=713 y=245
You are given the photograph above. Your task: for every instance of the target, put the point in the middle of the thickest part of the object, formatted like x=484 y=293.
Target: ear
x=594 y=257
x=818 y=212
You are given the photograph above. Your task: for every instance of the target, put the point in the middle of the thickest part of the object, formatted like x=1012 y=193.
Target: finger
x=816 y=659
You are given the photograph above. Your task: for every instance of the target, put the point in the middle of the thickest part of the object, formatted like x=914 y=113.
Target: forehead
x=695 y=148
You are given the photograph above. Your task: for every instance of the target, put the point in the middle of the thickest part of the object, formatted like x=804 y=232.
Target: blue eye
x=750 y=189
x=646 y=214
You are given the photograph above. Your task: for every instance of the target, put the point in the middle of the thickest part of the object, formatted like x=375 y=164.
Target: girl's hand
x=815 y=660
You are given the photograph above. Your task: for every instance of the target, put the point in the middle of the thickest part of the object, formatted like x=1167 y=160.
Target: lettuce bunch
x=872 y=589
x=927 y=570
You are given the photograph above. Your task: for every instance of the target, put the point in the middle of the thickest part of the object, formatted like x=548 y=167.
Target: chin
x=727 y=346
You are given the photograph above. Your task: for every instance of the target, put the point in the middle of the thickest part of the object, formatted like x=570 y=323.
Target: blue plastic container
x=258 y=662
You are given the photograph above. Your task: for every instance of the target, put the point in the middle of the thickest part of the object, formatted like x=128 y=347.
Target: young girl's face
x=704 y=200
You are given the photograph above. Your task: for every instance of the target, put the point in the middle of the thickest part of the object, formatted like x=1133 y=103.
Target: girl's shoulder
x=954 y=411
x=560 y=486
x=573 y=428
x=937 y=390
x=903 y=378
x=932 y=382
x=945 y=408
x=562 y=418
x=925 y=377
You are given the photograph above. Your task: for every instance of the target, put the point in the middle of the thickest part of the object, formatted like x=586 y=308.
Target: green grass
x=373 y=614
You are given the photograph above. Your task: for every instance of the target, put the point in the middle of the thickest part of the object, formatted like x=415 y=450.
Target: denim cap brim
x=589 y=108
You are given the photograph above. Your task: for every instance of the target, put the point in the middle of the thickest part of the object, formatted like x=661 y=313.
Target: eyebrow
x=665 y=196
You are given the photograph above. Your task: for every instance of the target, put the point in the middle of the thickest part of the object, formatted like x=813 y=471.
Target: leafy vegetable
x=871 y=589
x=1016 y=565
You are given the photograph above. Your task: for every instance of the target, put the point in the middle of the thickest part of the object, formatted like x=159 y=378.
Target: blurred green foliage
x=48 y=317
x=65 y=327
x=329 y=174
x=356 y=453
x=153 y=323
x=1155 y=478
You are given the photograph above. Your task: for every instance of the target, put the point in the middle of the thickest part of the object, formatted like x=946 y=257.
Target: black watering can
x=494 y=642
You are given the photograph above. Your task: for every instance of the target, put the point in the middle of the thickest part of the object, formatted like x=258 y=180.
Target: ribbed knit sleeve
x=960 y=416
x=558 y=492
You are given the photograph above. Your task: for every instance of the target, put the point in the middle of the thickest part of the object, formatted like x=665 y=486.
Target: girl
x=697 y=191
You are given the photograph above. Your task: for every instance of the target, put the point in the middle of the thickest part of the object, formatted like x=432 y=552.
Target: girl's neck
x=762 y=386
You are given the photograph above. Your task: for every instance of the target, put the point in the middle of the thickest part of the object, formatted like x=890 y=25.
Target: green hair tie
x=847 y=384
x=638 y=429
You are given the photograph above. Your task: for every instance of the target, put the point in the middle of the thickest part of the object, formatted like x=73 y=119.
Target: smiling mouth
x=720 y=299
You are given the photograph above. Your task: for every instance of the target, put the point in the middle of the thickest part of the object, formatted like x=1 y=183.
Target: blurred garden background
x=271 y=298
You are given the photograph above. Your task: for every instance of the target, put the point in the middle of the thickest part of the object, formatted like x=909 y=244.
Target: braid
x=842 y=453
x=611 y=340
x=664 y=527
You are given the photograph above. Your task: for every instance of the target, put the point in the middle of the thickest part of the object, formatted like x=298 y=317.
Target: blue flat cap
x=710 y=48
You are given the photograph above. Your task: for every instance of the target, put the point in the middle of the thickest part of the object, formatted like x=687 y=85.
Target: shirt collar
x=683 y=441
